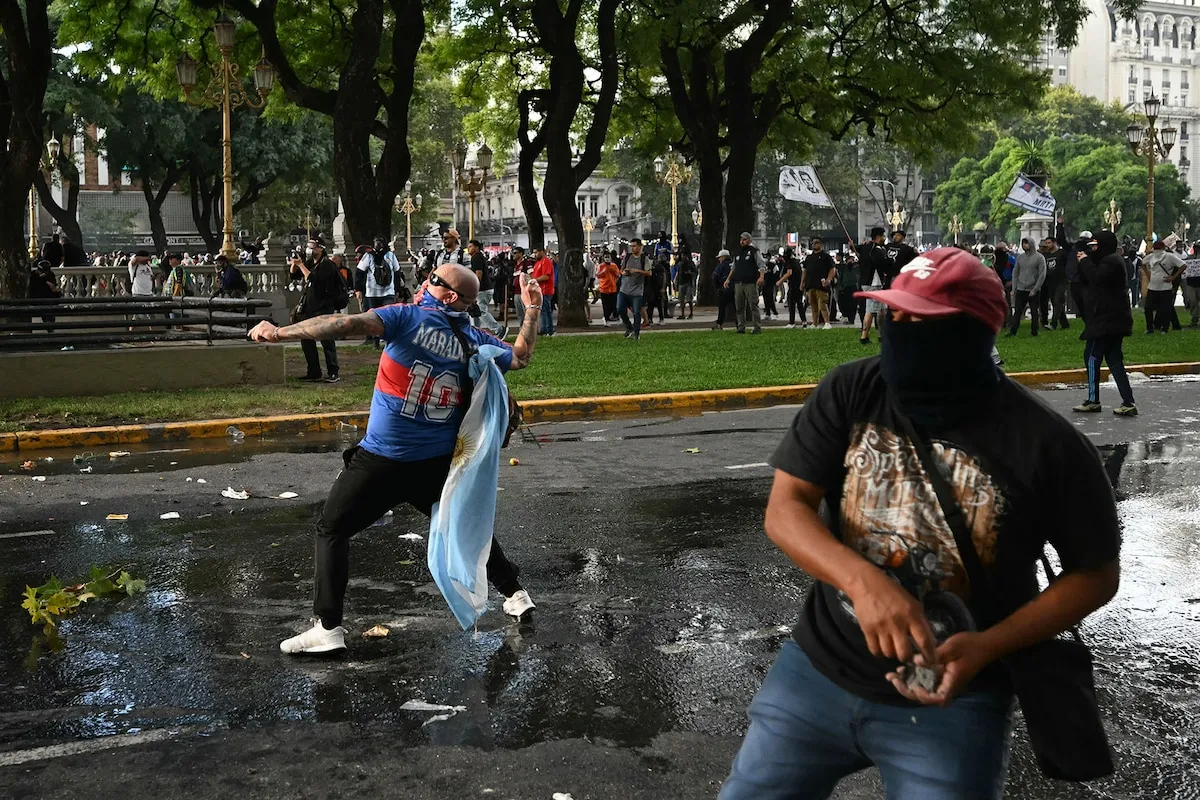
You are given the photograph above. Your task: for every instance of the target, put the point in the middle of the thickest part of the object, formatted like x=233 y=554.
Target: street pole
x=470 y=182
x=33 y=234
x=671 y=172
x=1154 y=144
x=226 y=90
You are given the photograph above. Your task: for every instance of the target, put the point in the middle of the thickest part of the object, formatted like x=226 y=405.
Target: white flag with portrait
x=802 y=185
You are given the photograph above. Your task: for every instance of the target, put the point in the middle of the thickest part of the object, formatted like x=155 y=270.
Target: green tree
x=350 y=61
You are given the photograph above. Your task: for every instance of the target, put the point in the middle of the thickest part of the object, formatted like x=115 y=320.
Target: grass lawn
x=579 y=366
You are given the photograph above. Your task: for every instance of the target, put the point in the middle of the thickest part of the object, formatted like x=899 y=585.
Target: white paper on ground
x=416 y=537
x=169 y=515
x=421 y=705
x=287 y=495
x=235 y=494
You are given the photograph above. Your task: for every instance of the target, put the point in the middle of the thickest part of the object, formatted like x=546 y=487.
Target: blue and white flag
x=460 y=527
x=1027 y=195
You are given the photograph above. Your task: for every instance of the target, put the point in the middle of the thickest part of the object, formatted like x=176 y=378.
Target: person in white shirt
x=141 y=274
x=377 y=281
x=1163 y=268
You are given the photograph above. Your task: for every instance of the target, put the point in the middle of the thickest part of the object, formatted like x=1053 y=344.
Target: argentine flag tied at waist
x=460 y=527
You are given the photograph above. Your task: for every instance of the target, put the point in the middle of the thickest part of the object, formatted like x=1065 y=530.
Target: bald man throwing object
x=416 y=412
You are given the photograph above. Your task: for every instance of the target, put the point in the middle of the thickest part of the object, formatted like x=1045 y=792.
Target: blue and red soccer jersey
x=419 y=399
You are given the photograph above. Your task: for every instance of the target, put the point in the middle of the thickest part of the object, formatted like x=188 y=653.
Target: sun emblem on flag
x=464 y=448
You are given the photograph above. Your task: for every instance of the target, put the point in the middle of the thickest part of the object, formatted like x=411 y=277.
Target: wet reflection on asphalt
x=659 y=610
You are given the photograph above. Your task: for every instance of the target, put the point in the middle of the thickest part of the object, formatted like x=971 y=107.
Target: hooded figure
x=1107 y=321
x=1105 y=291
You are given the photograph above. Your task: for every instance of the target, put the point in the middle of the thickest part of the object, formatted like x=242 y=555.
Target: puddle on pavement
x=661 y=617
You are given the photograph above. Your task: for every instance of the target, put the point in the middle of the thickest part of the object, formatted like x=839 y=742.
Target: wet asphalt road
x=661 y=604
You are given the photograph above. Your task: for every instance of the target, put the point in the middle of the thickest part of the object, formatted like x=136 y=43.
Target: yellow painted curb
x=559 y=410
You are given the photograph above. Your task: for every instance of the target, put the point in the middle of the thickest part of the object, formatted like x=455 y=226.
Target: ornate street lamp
x=469 y=182
x=897 y=216
x=409 y=205
x=1154 y=144
x=225 y=90
x=672 y=172
x=1112 y=215
x=955 y=227
x=589 y=225
x=698 y=215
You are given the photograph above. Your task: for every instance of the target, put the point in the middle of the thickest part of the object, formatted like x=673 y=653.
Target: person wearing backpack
x=324 y=292
x=180 y=282
x=376 y=280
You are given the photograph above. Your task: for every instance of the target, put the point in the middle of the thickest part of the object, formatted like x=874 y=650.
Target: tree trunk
x=14 y=257
x=27 y=43
x=530 y=100
x=712 y=226
x=201 y=196
x=66 y=218
x=154 y=209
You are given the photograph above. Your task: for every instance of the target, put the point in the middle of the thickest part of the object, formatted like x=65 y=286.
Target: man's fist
x=531 y=295
x=264 y=331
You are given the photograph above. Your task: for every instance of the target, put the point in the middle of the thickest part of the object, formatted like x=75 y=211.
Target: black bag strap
x=980 y=585
x=468 y=345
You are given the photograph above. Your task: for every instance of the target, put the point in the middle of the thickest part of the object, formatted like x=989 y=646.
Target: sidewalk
x=705 y=318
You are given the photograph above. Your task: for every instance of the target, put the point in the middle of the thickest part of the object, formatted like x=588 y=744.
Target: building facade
x=1155 y=53
x=613 y=205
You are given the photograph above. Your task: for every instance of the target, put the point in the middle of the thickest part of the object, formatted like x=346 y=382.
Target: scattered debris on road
x=235 y=494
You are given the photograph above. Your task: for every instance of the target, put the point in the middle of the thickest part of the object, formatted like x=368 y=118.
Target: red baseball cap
x=944 y=282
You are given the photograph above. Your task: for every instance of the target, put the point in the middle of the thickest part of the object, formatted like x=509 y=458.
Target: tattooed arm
x=329 y=326
x=531 y=295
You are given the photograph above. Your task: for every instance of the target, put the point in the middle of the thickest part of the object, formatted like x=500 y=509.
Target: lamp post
x=1112 y=216
x=1155 y=144
x=53 y=147
x=897 y=216
x=407 y=207
x=672 y=172
x=589 y=225
x=955 y=227
x=698 y=215
x=467 y=181
x=226 y=90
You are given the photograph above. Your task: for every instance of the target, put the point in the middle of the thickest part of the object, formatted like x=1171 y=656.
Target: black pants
x=1053 y=294
x=1160 y=305
x=608 y=302
x=1077 y=300
x=850 y=306
x=795 y=301
x=1021 y=301
x=725 y=307
x=362 y=493
x=314 y=363
x=768 y=295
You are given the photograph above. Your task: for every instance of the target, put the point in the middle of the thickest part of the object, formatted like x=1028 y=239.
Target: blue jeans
x=624 y=303
x=806 y=733
x=547 y=324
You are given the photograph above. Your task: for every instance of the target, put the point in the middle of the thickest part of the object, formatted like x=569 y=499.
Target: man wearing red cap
x=895 y=661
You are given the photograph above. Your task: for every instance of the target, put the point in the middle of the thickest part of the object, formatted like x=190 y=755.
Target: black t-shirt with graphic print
x=1022 y=474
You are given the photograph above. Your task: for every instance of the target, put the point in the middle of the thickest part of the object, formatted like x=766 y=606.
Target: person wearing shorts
x=817 y=278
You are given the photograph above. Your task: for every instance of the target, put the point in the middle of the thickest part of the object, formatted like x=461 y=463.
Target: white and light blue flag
x=460 y=527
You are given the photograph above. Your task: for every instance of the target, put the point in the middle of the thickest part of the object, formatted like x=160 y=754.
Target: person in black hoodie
x=1108 y=319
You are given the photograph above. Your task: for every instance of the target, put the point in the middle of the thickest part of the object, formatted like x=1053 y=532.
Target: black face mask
x=939 y=370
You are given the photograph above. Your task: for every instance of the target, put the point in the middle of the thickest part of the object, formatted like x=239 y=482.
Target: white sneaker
x=519 y=604
x=789 y=326
x=316 y=640
x=827 y=327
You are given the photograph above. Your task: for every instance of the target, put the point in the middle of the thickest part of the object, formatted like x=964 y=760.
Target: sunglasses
x=438 y=280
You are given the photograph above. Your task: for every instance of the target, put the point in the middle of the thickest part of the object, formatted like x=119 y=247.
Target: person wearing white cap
x=720 y=279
